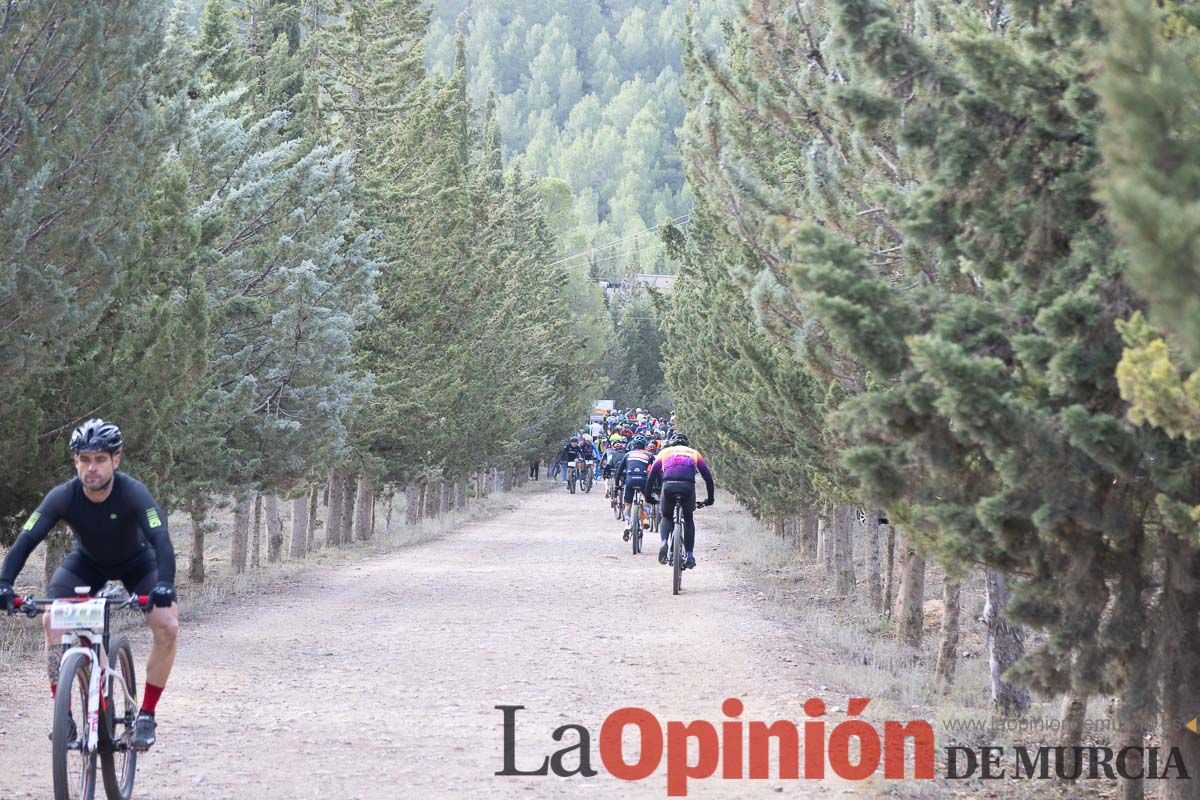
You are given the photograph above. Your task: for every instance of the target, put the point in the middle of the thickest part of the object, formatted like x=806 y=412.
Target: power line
x=677 y=220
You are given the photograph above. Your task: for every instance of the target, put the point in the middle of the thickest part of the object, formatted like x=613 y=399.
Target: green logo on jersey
x=152 y=517
x=112 y=516
x=29 y=523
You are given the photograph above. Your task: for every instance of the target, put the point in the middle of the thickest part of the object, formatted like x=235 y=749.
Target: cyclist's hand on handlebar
x=7 y=597
x=162 y=596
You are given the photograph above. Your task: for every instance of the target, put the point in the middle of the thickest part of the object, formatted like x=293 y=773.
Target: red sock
x=150 y=699
x=53 y=690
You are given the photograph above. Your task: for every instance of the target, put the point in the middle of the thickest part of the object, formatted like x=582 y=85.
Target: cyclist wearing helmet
x=632 y=474
x=569 y=455
x=612 y=455
x=675 y=471
x=120 y=534
x=588 y=454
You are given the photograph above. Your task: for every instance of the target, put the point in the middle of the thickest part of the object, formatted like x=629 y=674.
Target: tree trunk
x=443 y=498
x=506 y=480
x=825 y=541
x=808 y=533
x=58 y=543
x=198 y=511
x=874 y=578
x=391 y=508
x=479 y=484
x=274 y=530
x=460 y=488
x=256 y=533
x=947 y=658
x=910 y=612
x=843 y=547
x=1006 y=644
x=313 y=521
x=779 y=527
x=496 y=480
x=1074 y=718
x=889 y=589
x=365 y=509
x=299 y=526
x=243 y=516
x=422 y=510
x=431 y=499
x=346 y=529
x=1180 y=675
x=334 y=518
x=412 y=503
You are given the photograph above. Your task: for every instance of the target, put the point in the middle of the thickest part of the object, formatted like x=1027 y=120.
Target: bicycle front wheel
x=74 y=768
x=118 y=761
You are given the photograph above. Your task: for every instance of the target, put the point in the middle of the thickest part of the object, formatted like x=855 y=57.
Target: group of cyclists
x=636 y=452
x=121 y=532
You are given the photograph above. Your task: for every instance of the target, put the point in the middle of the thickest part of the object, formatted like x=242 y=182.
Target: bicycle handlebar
x=32 y=606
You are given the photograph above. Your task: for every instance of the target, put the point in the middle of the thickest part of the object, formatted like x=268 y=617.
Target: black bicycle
x=675 y=554
x=96 y=702
x=637 y=521
x=571 y=477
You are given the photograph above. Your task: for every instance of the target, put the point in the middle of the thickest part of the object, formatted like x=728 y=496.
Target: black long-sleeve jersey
x=109 y=533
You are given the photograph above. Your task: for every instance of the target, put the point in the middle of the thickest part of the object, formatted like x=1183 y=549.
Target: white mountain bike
x=96 y=701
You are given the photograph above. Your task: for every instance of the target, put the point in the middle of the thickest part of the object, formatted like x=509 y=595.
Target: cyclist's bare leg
x=164 y=624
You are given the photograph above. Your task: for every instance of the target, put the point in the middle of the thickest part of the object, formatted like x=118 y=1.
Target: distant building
x=639 y=280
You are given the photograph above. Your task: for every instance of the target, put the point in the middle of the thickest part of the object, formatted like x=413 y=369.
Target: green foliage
x=916 y=221
x=587 y=92
x=78 y=204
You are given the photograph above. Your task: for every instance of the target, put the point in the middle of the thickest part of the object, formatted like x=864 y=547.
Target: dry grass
x=20 y=637
x=852 y=650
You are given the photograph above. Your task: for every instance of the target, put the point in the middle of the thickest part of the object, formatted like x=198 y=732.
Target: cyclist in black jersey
x=120 y=534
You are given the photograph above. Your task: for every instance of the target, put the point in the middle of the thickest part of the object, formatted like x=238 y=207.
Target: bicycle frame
x=92 y=643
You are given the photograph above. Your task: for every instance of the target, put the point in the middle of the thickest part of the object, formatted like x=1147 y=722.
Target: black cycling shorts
x=632 y=485
x=139 y=574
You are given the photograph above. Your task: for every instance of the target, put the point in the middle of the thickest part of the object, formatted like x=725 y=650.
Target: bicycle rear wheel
x=635 y=528
x=118 y=761
x=73 y=768
x=677 y=555
x=587 y=481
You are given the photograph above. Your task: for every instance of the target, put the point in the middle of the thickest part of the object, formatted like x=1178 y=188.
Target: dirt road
x=380 y=679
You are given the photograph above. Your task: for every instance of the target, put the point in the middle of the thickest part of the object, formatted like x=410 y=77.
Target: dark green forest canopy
x=587 y=91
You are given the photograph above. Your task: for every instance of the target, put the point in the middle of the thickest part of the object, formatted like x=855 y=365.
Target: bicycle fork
x=95 y=681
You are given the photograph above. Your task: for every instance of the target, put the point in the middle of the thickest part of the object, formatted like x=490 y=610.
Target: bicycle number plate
x=66 y=615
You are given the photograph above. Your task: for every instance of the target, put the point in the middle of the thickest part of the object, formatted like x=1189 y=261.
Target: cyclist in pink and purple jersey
x=675 y=470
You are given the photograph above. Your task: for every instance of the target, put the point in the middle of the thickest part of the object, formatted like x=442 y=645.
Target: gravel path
x=380 y=679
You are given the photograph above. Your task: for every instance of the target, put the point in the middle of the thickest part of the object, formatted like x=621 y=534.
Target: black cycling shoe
x=625 y=535
x=72 y=732
x=690 y=563
x=143 y=732
x=662 y=553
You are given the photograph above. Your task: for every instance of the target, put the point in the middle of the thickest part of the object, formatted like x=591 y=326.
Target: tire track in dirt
x=379 y=679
